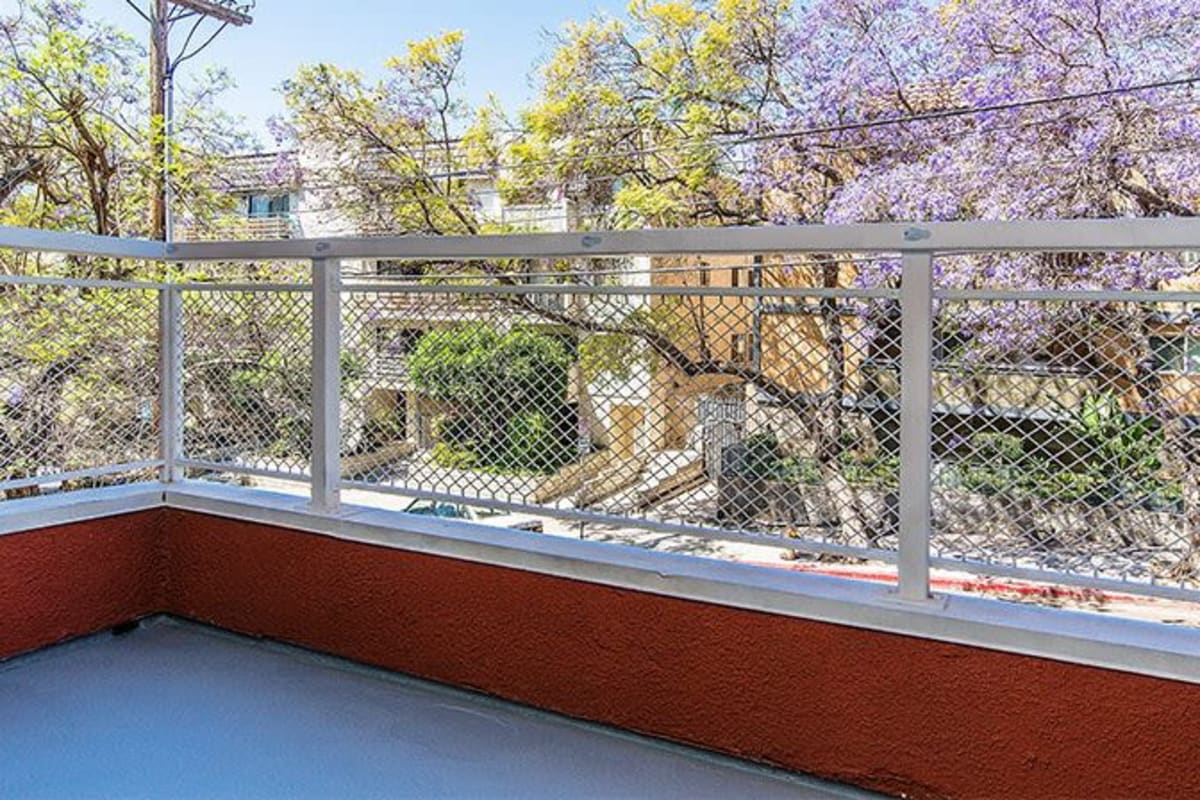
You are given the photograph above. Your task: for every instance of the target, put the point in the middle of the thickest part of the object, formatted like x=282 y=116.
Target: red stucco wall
x=62 y=582
x=894 y=713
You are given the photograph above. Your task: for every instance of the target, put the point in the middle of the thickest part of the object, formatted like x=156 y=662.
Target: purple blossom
x=67 y=13
x=15 y=396
x=1130 y=154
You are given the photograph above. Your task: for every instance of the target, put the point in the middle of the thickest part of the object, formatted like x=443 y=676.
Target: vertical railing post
x=326 y=385
x=916 y=426
x=170 y=372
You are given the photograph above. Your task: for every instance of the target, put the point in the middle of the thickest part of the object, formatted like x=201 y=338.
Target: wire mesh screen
x=78 y=384
x=689 y=401
x=1065 y=437
x=247 y=379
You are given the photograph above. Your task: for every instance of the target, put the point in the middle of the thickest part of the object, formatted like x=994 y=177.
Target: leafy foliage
x=508 y=392
x=631 y=112
x=394 y=150
x=77 y=385
x=764 y=458
x=76 y=138
x=1104 y=456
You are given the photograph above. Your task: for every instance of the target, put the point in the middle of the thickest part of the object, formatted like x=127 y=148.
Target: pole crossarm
x=230 y=15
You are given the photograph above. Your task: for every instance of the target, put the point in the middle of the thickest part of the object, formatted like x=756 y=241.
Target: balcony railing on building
x=241 y=228
x=899 y=416
x=536 y=217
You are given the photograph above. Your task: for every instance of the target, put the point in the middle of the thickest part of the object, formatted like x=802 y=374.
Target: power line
x=955 y=171
x=961 y=112
x=697 y=142
x=884 y=122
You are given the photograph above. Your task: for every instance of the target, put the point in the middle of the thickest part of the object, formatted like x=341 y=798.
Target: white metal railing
x=237 y=227
x=535 y=217
x=975 y=483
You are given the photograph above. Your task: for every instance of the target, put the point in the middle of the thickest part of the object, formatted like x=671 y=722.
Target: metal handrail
x=917 y=244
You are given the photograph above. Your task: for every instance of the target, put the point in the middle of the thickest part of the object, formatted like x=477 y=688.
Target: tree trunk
x=828 y=424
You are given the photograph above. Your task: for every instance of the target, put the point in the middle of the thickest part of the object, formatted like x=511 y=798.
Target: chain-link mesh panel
x=247 y=379
x=740 y=409
x=78 y=382
x=1065 y=437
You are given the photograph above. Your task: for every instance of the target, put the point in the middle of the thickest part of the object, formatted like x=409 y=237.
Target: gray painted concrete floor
x=178 y=710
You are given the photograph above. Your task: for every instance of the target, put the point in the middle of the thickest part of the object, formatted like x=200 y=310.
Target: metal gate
x=722 y=423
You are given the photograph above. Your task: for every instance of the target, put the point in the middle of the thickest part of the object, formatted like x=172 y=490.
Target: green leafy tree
x=75 y=133
x=506 y=393
x=77 y=365
x=394 y=151
x=77 y=378
x=632 y=114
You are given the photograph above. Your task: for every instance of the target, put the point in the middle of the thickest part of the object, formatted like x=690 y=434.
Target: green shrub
x=998 y=447
x=1103 y=455
x=801 y=470
x=535 y=441
x=762 y=457
x=445 y=455
x=871 y=469
x=452 y=430
x=509 y=391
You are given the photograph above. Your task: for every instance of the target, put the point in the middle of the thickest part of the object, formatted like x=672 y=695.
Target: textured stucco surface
x=890 y=712
x=66 y=581
x=894 y=713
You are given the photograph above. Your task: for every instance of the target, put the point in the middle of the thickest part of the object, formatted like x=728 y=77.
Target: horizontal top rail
x=187 y=286
x=782 y=292
x=76 y=283
x=33 y=240
x=353 y=286
x=216 y=286
x=1093 y=235
x=1106 y=235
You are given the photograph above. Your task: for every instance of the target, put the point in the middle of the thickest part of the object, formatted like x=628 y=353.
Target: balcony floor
x=178 y=710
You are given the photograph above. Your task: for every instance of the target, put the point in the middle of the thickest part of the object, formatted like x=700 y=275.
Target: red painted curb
x=1050 y=591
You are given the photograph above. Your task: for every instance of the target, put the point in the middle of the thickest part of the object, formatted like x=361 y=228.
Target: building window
x=1179 y=355
x=268 y=205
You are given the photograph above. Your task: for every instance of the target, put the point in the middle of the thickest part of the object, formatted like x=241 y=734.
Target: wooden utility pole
x=161 y=15
x=159 y=58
